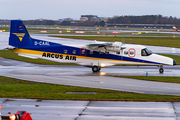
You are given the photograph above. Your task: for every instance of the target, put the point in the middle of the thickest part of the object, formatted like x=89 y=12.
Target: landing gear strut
x=161 y=70
x=96 y=68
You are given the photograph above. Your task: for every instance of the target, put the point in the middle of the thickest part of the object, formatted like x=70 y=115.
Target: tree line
x=145 y=19
x=40 y=22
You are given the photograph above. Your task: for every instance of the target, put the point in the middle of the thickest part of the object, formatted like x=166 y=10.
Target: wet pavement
x=4 y=38
x=88 y=110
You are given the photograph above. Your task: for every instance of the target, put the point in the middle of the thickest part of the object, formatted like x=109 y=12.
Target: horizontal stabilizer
x=28 y=56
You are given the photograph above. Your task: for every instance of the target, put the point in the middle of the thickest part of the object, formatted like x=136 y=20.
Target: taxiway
x=88 y=110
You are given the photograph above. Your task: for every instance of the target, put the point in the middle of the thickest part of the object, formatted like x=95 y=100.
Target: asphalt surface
x=88 y=110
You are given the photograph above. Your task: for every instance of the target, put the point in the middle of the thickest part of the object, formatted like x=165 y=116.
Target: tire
x=161 y=70
x=95 y=68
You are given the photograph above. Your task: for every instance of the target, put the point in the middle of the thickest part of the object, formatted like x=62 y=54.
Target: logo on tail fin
x=19 y=35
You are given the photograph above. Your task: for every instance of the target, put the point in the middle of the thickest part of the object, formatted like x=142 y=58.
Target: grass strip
x=14 y=88
x=154 y=78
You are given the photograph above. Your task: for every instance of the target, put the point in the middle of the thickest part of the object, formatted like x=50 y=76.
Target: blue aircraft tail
x=19 y=36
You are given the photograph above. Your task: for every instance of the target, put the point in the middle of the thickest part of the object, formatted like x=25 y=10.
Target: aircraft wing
x=99 y=44
x=115 y=47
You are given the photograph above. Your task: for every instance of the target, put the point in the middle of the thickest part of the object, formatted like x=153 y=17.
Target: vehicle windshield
x=145 y=52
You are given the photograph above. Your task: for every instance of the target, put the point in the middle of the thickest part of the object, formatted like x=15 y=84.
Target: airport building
x=83 y=19
x=90 y=18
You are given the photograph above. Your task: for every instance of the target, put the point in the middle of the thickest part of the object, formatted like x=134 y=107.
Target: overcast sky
x=57 y=9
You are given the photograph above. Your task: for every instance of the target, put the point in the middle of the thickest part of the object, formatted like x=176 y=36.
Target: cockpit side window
x=145 y=52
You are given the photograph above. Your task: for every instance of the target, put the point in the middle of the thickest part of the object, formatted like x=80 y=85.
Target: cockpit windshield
x=145 y=52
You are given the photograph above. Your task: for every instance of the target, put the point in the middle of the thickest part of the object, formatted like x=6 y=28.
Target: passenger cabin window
x=83 y=51
x=74 y=51
x=91 y=52
x=145 y=52
x=131 y=52
x=125 y=52
x=65 y=51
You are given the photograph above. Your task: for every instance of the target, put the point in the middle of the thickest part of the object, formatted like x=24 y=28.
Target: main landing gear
x=161 y=70
x=96 y=68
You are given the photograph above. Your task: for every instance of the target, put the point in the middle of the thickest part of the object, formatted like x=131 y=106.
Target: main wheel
x=161 y=70
x=95 y=69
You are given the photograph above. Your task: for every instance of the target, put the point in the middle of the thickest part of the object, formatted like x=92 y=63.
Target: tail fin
x=19 y=36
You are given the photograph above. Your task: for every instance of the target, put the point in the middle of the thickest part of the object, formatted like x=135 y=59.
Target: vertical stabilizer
x=19 y=36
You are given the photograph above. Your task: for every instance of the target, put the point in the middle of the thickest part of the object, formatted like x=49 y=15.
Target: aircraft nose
x=174 y=62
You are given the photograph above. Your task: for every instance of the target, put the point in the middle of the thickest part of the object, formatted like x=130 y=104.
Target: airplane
x=94 y=54
x=175 y=29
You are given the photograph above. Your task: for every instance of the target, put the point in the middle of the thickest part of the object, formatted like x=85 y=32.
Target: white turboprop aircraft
x=93 y=54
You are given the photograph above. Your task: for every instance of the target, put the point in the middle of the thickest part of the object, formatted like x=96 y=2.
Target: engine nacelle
x=115 y=47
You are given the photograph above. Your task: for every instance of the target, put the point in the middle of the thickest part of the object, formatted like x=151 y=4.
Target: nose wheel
x=96 y=69
x=161 y=70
